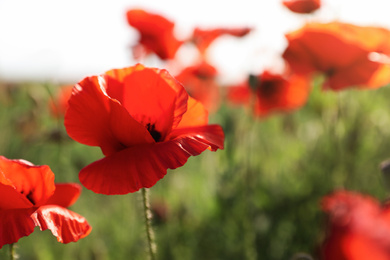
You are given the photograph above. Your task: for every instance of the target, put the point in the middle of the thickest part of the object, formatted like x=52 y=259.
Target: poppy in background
x=200 y=82
x=302 y=6
x=59 y=103
x=202 y=38
x=271 y=92
x=29 y=198
x=156 y=34
x=359 y=228
x=144 y=122
x=341 y=52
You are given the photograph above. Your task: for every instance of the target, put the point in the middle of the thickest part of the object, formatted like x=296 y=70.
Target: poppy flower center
x=267 y=88
x=29 y=196
x=153 y=132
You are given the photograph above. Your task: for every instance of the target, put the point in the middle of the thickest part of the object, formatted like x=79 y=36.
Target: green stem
x=12 y=251
x=148 y=223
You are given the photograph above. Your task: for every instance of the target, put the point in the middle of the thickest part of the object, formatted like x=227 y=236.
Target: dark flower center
x=153 y=132
x=29 y=196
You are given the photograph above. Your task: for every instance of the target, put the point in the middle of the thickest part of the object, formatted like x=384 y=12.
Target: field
x=259 y=198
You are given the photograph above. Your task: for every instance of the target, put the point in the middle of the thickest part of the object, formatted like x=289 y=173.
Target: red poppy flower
x=272 y=92
x=30 y=198
x=156 y=34
x=200 y=81
x=302 y=6
x=59 y=105
x=146 y=124
x=340 y=51
x=359 y=228
x=202 y=38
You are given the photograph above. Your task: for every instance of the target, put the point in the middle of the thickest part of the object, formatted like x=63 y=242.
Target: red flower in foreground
x=144 y=122
x=302 y=6
x=201 y=83
x=30 y=198
x=156 y=34
x=202 y=38
x=271 y=92
x=59 y=105
x=341 y=52
x=359 y=228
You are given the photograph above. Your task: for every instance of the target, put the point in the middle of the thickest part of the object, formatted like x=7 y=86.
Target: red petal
x=66 y=225
x=196 y=114
x=15 y=224
x=35 y=183
x=65 y=194
x=150 y=95
x=95 y=119
x=143 y=165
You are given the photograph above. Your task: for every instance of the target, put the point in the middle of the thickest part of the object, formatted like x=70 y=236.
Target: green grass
x=259 y=198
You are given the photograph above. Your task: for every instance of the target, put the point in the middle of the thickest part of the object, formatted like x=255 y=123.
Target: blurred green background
x=259 y=198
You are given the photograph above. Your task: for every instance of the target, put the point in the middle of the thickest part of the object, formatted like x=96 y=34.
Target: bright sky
x=68 y=40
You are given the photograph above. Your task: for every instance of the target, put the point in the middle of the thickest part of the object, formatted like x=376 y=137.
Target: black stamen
x=153 y=132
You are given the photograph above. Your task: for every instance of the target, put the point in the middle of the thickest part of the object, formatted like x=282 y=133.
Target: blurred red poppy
x=156 y=34
x=30 y=198
x=59 y=104
x=200 y=82
x=271 y=92
x=144 y=122
x=359 y=228
x=341 y=52
x=302 y=6
x=202 y=38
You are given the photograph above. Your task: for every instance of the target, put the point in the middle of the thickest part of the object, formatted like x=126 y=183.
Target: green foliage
x=259 y=198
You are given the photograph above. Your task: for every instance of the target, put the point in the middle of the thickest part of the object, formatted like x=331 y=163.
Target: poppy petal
x=15 y=224
x=12 y=199
x=65 y=194
x=196 y=114
x=142 y=166
x=151 y=96
x=35 y=183
x=66 y=225
x=95 y=119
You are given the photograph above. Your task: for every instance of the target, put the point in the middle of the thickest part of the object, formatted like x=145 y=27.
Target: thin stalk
x=148 y=223
x=12 y=252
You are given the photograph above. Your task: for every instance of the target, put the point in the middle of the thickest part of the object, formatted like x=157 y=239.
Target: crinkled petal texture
x=337 y=50
x=147 y=124
x=15 y=224
x=66 y=225
x=359 y=228
x=25 y=191
x=24 y=185
x=142 y=166
x=302 y=6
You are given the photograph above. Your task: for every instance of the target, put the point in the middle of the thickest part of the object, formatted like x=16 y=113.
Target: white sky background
x=64 y=41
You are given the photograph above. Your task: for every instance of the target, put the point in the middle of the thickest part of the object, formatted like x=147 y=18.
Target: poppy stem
x=148 y=223
x=12 y=251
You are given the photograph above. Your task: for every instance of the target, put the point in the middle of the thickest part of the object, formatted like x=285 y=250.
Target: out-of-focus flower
x=359 y=228
x=302 y=6
x=271 y=92
x=156 y=34
x=202 y=38
x=340 y=51
x=59 y=103
x=144 y=122
x=30 y=198
x=200 y=81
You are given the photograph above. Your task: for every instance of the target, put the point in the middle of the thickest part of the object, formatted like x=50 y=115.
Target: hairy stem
x=148 y=223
